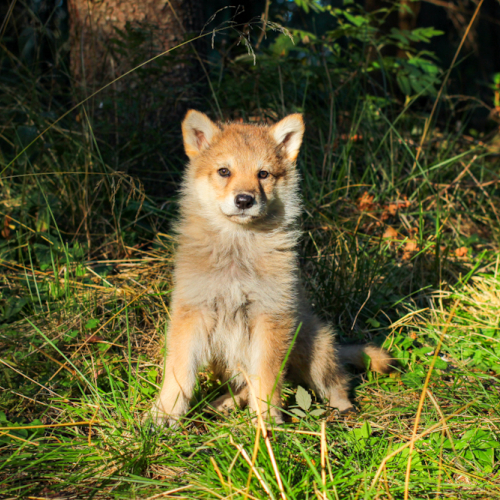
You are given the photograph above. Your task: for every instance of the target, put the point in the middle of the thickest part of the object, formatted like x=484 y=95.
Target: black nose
x=244 y=200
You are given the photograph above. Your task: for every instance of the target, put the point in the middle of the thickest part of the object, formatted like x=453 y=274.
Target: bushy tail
x=380 y=360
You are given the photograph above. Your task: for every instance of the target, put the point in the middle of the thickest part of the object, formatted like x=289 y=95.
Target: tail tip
x=380 y=360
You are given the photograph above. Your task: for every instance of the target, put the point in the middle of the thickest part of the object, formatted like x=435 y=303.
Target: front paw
x=159 y=418
x=274 y=416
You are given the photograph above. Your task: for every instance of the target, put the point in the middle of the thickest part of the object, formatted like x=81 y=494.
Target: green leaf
x=440 y=364
x=364 y=432
x=366 y=360
x=373 y=322
x=282 y=45
x=404 y=84
x=412 y=380
x=303 y=398
x=356 y=20
x=152 y=375
x=317 y=412
x=92 y=323
x=72 y=334
x=80 y=270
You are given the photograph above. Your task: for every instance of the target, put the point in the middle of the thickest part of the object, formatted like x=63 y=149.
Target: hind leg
x=315 y=362
x=229 y=401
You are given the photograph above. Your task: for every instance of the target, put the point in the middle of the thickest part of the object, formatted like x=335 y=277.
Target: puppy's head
x=241 y=173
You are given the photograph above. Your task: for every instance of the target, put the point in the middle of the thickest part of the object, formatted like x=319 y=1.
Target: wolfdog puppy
x=237 y=301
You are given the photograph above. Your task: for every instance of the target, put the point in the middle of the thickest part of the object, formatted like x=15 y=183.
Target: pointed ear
x=198 y=132
x=288 y=134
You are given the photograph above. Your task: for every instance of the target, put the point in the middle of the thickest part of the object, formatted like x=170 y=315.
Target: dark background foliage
x=137 y=116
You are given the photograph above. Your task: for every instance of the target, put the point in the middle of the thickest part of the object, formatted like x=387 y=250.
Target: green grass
x=103 y=390
x=86 y=259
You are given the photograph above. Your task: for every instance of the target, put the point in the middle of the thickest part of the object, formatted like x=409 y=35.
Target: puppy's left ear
x=288 y=134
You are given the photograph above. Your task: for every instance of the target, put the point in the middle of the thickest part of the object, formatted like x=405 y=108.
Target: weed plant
x=398 y=249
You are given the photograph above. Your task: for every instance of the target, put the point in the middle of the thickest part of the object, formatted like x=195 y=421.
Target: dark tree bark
x=94 y=25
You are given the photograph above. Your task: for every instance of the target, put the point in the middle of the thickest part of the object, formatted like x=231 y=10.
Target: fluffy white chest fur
x=235 y=281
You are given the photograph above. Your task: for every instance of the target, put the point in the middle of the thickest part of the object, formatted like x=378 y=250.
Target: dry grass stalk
x=251 y=464
x=324 y=450
x=262 y=428
x=170 y=492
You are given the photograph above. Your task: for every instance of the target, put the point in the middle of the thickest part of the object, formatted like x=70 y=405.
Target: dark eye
x=224 y=172
x=262 y=174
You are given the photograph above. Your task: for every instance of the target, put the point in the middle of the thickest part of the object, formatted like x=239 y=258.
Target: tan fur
x=237 y=301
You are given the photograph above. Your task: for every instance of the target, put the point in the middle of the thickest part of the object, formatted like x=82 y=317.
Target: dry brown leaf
x=354 y=138
x=393 y=207
x=6 y=227
x=365 y=202
x=93 y=339
x=411 y=246
x=390 y=232
x=461 y=252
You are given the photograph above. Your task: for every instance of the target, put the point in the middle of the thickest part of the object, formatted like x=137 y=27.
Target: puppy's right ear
x=198 y=132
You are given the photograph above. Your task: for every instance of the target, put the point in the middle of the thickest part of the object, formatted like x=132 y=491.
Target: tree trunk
x=100 y=28
x=136 y=119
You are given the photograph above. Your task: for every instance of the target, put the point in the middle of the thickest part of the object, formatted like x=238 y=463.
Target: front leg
x=186 y=348
x=271 y=337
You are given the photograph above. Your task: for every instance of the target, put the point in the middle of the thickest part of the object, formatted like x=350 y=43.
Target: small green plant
x=358 y=44
x=496 y=90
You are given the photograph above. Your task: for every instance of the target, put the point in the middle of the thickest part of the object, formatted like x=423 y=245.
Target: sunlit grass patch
x=94 y=364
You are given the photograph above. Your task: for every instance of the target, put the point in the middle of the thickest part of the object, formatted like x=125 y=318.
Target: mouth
x=243 y=216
